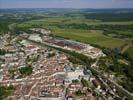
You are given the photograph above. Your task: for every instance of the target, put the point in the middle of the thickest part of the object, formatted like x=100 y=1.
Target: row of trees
x=74 y=60
x=81 y=57
x=110 y=16
x=93 y=27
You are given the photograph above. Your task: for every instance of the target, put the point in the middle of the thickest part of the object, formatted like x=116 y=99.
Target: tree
x=2 y=52
x=25 y=71
x=84 y=82
x=78 y=93
x=75 y=81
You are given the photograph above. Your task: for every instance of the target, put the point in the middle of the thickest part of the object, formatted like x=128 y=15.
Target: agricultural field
x=70 y=20
x=90 y=36
x=66 y=28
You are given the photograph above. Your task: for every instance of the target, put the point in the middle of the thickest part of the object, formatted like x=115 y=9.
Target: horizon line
x=66 y=8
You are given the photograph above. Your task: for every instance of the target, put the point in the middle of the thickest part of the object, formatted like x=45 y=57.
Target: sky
x=66 y=3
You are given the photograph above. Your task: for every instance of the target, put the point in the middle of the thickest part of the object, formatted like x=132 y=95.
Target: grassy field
x=92 y=36
x=130 y=51
x=87 y=36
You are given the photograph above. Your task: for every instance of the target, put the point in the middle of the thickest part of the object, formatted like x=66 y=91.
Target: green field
x=92 y=36
x=83 y=35
x=47 y=21
x=130 y=51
